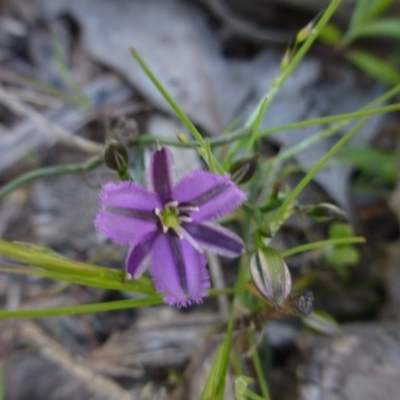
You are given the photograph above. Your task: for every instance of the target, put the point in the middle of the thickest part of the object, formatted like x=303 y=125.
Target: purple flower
x=170 y=226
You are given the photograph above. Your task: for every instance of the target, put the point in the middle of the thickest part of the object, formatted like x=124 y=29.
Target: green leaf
x=376 y=8
x=68 y=269
x=343 y=256
x=371 y=161
x=374 y=67
x=366 y=10
x=389 y=27
x=340 y=230
x=81 y=309
x=321 y=322
x=330 y=35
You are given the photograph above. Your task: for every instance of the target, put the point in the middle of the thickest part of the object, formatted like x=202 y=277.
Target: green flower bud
x=116 y=156
x=243 y=170
x=271 y=275
x=324 y=212
x=181 y=137
x=304 y=33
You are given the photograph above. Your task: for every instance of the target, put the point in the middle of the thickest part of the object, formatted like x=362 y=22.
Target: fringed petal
x=215 y=238
x=178 y=271
x=126 y=216
x=161 y=173
x=138 y=255
x=215 y=195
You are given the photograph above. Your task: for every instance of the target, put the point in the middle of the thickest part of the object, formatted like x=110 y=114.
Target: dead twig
x=245 y=28
x=53 y=130
x=98 y=384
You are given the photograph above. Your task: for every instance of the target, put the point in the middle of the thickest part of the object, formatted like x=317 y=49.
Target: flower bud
x=181 y=137
x=286 y=58
x=271 y=275
x=116 y=156
x=304 y=33
x=324 y=212
x=243 y=170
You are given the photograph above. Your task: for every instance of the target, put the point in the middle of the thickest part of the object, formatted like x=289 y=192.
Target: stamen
x=185 y=218
x=184 y=233
x=171 y=204
x=157 y=211
x=188 y=207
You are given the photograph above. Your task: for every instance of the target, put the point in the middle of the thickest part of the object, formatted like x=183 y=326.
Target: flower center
x=172 y=216
x=169 y=217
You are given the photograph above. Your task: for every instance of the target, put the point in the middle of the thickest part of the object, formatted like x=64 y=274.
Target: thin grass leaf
x=261 y=378
x=82 y=309
x=100 y=283
x=215 y=385
x=366 y=10
x=281 y=79
x=231 y=137
x=177 y=109
x=374 y=67
x=46 y=172
x=388 y=27
x=321 y=244
x=284 y=210
x=94 y=274
x=256 y=125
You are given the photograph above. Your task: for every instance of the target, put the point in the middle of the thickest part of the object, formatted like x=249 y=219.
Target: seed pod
x=271 y=275
x=116 y=156
x=243 y=170
x=324 y=212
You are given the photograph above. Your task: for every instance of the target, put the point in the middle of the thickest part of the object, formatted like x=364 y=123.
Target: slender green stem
x=281 y=79
x=177 y=109
x=82 y=309
x=215 y=384
x=222 y=291
x=364 y=112
x=254 y=396
x=259 y=371
x=256 y=125
x=323 y=243
x=227 y=138
x=306 y=143
x=48 y=172
x=279 y=217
